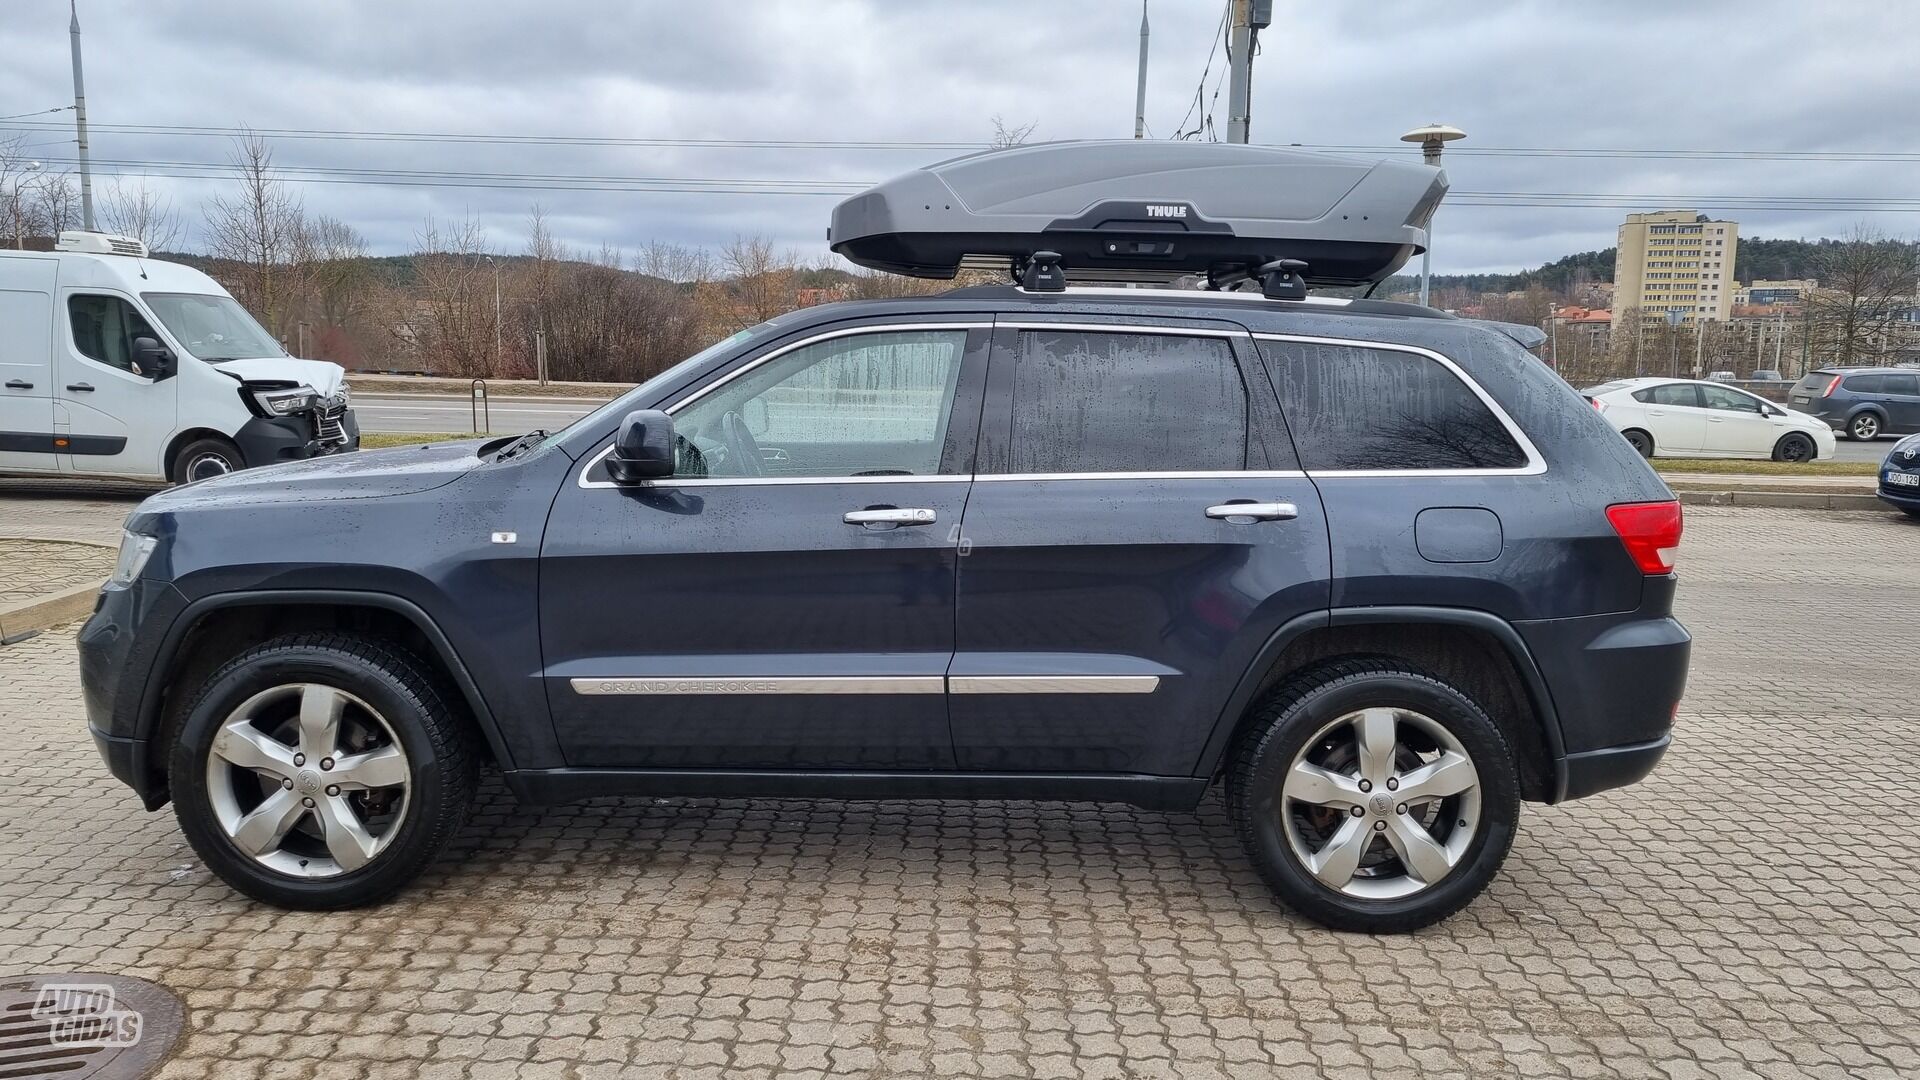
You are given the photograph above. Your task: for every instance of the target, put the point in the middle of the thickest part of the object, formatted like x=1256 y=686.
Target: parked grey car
x=1861 y=403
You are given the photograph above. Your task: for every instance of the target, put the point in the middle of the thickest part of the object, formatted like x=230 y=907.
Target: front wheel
x=1865 y=427
x=1373 y=797
x=1795 y=449
x=321 y=771
x=204 y=459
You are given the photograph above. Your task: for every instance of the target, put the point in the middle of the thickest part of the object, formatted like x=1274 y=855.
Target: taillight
x=1650 y=531
x=1598 y=405
x=1832 y=386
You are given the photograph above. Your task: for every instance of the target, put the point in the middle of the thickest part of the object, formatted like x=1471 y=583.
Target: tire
x=204 y=459
x=252 y=710
x=1865 y=427
x=1795 y=448
x=1310 y=718
x=1641 y=442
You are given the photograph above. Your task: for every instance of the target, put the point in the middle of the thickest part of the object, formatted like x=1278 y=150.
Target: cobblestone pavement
x=57 y=510
x=30 y=569
x=1753 y=909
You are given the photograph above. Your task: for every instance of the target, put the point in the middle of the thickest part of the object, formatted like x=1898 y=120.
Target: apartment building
x=1675 y=261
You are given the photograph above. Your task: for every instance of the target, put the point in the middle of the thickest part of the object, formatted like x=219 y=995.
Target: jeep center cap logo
x=1381 y=802
x=307 y=781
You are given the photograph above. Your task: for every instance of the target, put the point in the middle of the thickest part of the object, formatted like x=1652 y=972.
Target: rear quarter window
x=1866 y=384
x=1357 y=408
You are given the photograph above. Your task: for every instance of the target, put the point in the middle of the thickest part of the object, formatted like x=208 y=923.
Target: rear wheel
x=204 y=459
x=321 y=771
x=1795 y=447
x=1374 y=797
x=1641 y=442
x=1866 y=426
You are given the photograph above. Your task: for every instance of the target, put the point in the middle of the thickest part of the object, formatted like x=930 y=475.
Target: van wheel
x=321 y=771
x=1864 y=427
x=1641 y=442
x=1794 y=448
x=204 y=459
x=1372 y=796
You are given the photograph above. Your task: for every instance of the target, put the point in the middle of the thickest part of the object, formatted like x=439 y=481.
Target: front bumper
x=1901 y=497
x=269 y=440
x=117 y=648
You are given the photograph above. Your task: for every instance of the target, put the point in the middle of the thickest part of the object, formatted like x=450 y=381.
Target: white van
x=116 y=365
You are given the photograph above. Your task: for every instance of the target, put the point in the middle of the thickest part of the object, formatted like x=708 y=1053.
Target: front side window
x=104 y=328
x=1901 y=384
x=864 y=405
x=1683 y=394
x=1092 y=402
x=1719 y=397
x=1352 y=408
x=212 y=327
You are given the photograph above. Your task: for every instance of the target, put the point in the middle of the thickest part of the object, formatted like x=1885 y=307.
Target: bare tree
x=1866 y=280
x=138 y=211
x=53 y=204
x=259 y=233
x=1005 y=135
x=16 y=168
x=879 y=285
x=453 y=323
x=760 y=285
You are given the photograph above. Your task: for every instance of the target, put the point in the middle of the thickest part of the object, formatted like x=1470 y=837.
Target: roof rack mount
x=1147 y=211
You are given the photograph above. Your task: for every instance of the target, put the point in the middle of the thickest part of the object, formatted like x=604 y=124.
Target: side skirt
x=554 y=786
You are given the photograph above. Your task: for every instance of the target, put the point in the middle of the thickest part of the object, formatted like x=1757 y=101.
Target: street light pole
x=1431 y=139
x=1140 y=91
x=80 y=119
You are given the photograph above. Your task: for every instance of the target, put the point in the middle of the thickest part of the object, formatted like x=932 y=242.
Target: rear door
x=26 y=364
x=1675 y=417
x=1903 y=401
x=1110 y=593
x=118 y=417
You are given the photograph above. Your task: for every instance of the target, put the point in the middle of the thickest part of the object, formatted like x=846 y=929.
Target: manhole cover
x=107 y=1027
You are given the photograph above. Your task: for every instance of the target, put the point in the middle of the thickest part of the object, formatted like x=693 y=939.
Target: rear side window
x=104 y=328
x=1866 y=384
x=1104 y=402
x=1669 y=394
x=1353 y=408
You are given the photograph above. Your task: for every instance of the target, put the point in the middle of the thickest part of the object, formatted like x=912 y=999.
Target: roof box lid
x=1137 y=210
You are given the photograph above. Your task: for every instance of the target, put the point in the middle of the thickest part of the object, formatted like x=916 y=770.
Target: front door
x=26 y=366
x=1737 y=423
x=1138 y=529
x=786 y=599
x=118 y=417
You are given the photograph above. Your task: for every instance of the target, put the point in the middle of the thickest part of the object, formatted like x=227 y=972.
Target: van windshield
x=212 y=327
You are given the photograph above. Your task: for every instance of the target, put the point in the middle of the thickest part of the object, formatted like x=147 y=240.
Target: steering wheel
x=740 y=444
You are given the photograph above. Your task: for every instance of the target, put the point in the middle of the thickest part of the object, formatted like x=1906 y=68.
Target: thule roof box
x=1141 y=210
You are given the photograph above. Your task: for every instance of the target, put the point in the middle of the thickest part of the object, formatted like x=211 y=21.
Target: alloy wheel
x=1866 y=426
x=1381 y=803
x=308 y=780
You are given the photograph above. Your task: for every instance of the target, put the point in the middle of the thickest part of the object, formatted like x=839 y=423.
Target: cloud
x=1721 y=75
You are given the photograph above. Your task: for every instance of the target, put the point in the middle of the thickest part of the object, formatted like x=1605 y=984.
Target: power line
x=38 y=112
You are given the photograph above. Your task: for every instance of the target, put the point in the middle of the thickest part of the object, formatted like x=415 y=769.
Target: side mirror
x=644 y=448
x=156 y=361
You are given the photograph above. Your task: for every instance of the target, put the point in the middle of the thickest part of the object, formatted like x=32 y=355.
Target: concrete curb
x=1783 y=500
x=27 y=617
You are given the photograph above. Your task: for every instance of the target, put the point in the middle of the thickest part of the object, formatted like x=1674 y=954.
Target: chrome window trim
x=1053 y=684
x=1222 y=474
x=737 y=481
x=1535 y=465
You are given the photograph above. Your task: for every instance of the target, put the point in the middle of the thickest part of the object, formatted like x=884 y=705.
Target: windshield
x=212 y=327
x=624 y=402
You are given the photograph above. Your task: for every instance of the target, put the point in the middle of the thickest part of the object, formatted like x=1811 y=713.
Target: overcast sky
x=1839 y=76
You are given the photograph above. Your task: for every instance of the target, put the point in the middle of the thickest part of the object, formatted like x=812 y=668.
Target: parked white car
x=1695 y=418
x=113 y=364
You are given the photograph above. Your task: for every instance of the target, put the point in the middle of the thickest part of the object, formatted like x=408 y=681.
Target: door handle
x=1254 y=511
x=1716 y=419
x=80 y=387
x=16 y=384
x=890 y=516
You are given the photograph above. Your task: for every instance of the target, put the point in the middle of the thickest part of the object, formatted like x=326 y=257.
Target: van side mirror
x=643 y=450
x=156 y=360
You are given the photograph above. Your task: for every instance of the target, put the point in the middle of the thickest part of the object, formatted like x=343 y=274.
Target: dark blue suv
x=1374 y=572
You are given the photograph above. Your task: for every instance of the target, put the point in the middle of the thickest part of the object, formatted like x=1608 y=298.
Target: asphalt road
x=455 y=413
x=511 y=415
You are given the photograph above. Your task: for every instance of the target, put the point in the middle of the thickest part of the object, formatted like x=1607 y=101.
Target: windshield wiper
x=525 y=442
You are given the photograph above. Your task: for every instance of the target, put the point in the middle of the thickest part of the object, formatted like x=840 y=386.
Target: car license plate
x=1799 y=400
x=1904 y=479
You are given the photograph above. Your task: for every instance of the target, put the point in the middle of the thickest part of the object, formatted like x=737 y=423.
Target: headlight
x=135 y=550
x=285 y=402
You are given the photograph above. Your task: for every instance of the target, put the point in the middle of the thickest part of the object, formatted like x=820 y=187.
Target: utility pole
x=1248 y=18
x=80 y=119
x=1140 y=91
x=1699 y=344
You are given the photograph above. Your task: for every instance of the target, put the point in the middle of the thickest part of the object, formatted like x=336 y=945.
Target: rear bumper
x=1616 y=682
x=1594 y=771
